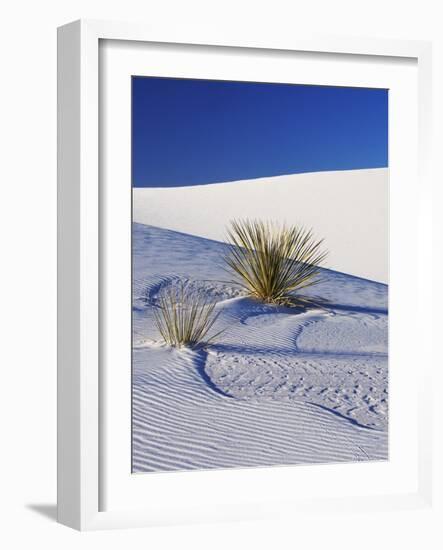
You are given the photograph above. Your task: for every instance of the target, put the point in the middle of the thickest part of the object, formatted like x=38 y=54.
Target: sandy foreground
x=280 y=386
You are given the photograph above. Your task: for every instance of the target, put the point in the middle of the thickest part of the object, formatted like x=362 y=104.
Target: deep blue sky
x=189 y=132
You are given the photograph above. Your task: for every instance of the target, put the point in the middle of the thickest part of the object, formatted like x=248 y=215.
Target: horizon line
x=258 y=178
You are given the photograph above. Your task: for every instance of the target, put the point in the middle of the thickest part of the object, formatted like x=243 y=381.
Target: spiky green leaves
x=185 y=317
x=271 y=261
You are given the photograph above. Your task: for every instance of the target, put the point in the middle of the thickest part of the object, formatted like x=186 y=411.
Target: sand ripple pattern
x=284 y=358
x=281 y=386
x=181 y=423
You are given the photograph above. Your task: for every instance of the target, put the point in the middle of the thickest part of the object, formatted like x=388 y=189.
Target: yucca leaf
x=271 y=261
x=185 y=318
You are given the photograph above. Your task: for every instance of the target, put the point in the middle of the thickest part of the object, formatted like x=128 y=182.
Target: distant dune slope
x=350 y=209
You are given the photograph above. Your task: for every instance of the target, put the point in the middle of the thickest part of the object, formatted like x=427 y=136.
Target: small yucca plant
x=184 y=317
x=272 y=261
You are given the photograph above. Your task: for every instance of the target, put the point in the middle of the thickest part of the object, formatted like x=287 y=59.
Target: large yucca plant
x=272 y=261
x=184 y=317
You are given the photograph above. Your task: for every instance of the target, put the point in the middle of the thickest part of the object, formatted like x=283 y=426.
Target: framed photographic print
x=238 y=249
x=246 y=350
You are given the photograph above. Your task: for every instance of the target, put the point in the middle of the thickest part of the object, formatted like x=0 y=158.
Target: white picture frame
x=80 y=395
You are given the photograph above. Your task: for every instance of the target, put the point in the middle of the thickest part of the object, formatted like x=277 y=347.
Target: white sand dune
x=349 y=209
x=280 y=386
